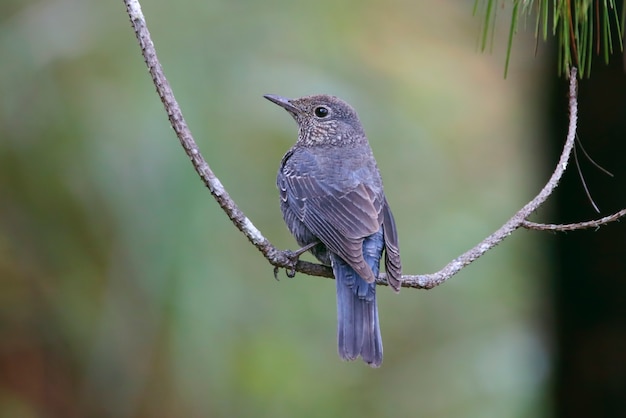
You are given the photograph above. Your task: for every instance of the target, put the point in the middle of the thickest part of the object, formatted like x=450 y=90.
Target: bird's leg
x=296 y=254
x=293 y=256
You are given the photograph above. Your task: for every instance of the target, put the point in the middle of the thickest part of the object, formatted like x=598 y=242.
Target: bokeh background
x=126 y=292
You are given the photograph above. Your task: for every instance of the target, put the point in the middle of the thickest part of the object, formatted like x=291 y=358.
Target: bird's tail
x=358 y=331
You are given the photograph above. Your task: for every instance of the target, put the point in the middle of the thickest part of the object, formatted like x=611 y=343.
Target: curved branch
x=429 y=281
x=285 y=259
x=274 y=256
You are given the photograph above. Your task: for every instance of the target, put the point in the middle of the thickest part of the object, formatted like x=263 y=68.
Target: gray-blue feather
x=358 y=330
x=331 y=194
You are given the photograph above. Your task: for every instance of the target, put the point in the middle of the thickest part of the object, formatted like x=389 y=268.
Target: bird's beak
x=283 y=102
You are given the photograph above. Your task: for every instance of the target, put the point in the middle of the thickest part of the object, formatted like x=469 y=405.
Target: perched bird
x=332 y=200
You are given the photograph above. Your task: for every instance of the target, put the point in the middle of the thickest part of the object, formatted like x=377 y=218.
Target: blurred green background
x=126 y=292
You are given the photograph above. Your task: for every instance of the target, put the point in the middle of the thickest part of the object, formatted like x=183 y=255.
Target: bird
x=332 y=200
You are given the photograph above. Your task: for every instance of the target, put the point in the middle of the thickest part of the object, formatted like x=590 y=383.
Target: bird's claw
x=290 y=271
x=293 y=257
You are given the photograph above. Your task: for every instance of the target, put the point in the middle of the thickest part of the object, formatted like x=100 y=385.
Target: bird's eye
x=321 y=111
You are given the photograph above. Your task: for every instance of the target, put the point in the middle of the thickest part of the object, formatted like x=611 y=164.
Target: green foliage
x=581 y=28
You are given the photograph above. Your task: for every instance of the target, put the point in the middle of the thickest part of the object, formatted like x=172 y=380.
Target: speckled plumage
x=332 y=193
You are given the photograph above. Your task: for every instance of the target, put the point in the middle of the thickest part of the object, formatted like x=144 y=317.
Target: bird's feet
x=293 y=257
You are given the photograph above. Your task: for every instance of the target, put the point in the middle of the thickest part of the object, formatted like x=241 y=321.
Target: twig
x=276 y=257
x=429 y=281
x=285 y=259
x=596 y=223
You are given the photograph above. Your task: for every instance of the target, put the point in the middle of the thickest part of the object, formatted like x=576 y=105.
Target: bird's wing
x=339 y=216
x=393 y=266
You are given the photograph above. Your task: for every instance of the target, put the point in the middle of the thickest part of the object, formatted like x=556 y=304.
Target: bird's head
x=323 y=120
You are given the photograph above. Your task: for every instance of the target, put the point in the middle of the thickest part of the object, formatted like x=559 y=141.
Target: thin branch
x=431 y=280
x=274 y=256
x=286 y=259
x=596 y=223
